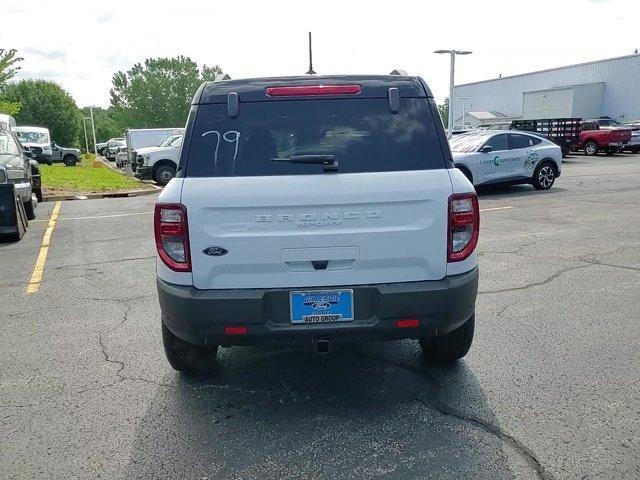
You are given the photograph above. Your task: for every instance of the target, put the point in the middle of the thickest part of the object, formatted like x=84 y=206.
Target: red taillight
x=464 y=226
x=313 y=90
x=408 y=323
x=230 y=330
x=172 y=236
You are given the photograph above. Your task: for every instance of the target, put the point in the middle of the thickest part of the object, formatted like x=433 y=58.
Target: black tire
x=186 y=357
x=544 y=176
x=163 y=174
x=635 y=150
x=70 y=160
x=30 y=210
x=591 y=148
x=449 y=347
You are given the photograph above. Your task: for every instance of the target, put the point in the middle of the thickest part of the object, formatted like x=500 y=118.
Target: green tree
x=8 y=65
x=9 y=108
x=157 y=93
x=443 y=110
x=46 y=104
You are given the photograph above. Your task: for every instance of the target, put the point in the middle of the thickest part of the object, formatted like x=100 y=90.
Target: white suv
x=314 y=210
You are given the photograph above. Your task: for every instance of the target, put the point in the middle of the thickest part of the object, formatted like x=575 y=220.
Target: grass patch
x=88 y=176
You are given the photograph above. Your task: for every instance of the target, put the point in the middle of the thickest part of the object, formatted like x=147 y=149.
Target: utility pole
x=86 y=140
x=452 y=70
x=310 y=72
x=93 y=127
x=464 y=110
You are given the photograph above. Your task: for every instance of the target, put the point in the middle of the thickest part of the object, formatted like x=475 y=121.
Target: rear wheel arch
x=550 y=161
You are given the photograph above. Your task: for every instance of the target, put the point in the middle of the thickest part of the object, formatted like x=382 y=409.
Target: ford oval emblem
x=215 y=251
x=320 y=305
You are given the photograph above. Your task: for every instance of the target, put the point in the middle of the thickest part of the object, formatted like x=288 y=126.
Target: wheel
x=543 y=176
x=635 y=150
x=451 y=346
x=163 y=174
x=30 y=210
x=186 y=357
x=69 y=160
x=591 y=148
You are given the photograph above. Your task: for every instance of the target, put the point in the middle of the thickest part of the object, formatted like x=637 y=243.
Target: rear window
x=362 y=135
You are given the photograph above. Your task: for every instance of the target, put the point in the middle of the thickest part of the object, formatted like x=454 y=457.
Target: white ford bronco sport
x=315 y=210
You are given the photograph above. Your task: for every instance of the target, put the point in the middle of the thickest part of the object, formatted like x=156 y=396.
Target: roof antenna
x=310 y=72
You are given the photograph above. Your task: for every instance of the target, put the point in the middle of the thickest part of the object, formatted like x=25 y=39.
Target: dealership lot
x=550 y=389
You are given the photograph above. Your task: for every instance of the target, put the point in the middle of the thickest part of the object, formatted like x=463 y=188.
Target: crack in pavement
x=536 y=284
x=523 y=451
x=516 y=445
x=519 y=249
x=104 y=262
x=108 y=359
x=504 y=309
x=625 y=267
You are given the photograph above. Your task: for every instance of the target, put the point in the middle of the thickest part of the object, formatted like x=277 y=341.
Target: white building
x=608 y=87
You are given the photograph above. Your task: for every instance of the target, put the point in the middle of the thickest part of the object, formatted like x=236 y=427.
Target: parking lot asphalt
x=550 y=389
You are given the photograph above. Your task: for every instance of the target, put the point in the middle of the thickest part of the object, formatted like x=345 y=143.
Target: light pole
x=452 y=70
x=93 y=127
x=86 y=140
x=464 y=109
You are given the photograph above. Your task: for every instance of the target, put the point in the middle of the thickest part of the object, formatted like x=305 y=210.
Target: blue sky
x=81 y=44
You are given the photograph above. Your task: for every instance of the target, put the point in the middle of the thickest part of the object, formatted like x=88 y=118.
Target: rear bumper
x=199 y=316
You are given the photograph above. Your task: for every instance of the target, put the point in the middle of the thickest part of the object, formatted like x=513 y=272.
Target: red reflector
x=462 y=219
x=170 y=229
x=408 y=323
x=313 y=90
x=236 y=330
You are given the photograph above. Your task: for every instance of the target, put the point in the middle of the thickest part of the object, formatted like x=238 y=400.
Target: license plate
x=321 y=306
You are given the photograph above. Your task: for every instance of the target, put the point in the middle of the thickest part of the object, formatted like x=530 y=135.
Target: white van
x=37 y=139
x=7 y=122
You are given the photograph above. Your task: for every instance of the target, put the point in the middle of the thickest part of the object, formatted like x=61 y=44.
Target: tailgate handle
x=319 y=264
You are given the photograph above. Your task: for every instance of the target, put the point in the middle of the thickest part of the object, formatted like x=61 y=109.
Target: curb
x=88 y=196
x=108 y=164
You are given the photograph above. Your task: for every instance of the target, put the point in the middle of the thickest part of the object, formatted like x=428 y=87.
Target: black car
x=15 y=167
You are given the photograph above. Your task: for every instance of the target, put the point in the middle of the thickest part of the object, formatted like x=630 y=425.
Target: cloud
x=105 y=17
x=16 y=10
x=43 y=74
x=50 y=54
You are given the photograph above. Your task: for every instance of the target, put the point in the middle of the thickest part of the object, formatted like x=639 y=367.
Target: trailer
x=564 y=132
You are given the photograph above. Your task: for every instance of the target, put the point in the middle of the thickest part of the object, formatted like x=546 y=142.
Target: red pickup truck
x=593 y=139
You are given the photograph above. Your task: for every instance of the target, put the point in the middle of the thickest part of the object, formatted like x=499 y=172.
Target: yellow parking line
x=36 y=276
x=494 y=208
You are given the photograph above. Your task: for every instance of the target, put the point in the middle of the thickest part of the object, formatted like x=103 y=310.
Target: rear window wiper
x=329 y=162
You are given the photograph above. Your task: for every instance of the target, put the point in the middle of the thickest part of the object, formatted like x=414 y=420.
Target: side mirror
x=486 y=149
